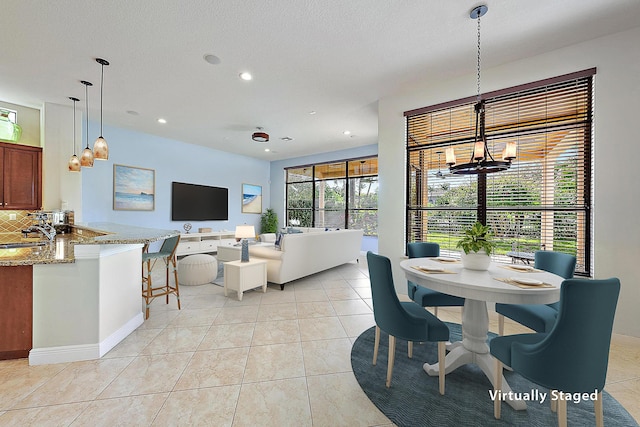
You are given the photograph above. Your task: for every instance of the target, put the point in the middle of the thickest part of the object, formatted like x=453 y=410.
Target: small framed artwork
x=133 y=188
x=251 y=198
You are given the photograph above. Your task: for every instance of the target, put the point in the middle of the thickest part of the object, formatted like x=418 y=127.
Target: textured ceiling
x=333 y=57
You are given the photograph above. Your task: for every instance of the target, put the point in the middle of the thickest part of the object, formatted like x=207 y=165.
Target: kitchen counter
x=61 y=250
x=73 y=298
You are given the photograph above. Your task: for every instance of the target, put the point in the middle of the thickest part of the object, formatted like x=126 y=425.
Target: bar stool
x=167 y=254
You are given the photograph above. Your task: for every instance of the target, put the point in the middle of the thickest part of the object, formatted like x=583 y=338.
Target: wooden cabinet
x=21 y=177
x=16 y=311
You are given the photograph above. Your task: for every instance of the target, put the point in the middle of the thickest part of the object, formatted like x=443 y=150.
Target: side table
x=241 y=276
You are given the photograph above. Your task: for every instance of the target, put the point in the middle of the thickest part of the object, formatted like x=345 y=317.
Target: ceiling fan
x=440 y=174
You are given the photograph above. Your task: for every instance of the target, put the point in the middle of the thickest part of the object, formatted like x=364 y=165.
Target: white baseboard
x=63 y=354
x=123 y=332
x=76 y=353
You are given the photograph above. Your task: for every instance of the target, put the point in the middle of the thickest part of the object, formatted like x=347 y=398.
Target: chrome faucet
x=43 y=226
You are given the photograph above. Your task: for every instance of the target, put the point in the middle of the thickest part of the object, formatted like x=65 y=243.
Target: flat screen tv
x=193 y=202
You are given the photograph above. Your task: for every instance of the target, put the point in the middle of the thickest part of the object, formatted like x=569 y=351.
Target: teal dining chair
x=404 y=320
x=539 y=317
x=424 y=296
x=167 y=254
x=573 y=356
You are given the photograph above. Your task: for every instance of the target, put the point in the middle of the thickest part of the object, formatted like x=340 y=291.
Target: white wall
x=617 y=148
x=57 y=141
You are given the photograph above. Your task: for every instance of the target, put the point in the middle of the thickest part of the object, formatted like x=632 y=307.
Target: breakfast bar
x=83 y=289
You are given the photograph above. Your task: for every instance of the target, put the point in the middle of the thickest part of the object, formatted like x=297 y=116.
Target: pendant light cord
x=478 y=70
x=74 y=127
x=101 y=84
x=86 y=100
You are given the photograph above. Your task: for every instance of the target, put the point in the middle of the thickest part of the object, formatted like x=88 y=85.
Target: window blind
x=542 y=202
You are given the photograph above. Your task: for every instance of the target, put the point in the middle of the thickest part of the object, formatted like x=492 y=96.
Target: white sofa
x=306 y=253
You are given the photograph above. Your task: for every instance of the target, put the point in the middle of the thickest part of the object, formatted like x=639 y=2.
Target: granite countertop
x=60 y=250
x=106 y=233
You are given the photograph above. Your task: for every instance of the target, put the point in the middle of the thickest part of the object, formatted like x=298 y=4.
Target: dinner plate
x=521 y=267
x=446 y=259
x=428 y=269
x=522 y=281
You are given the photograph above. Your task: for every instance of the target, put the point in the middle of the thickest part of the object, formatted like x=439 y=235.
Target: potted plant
x=477 y=245
x=269 y=221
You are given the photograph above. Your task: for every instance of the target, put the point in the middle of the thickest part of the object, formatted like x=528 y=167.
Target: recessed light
x=346 y=132
x=163 y=121
x=133 y=113
x=266 y=150
x=286 y=138
x=246 y=76
x=312 y=112
x=212 y=59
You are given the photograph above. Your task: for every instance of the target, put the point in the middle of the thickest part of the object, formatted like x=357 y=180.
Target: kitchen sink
x=22 y=244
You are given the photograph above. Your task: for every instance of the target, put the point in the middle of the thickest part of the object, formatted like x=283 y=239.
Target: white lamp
x=245 y=232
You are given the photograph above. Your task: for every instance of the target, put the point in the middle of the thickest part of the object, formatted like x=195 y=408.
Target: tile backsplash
x=21 y=221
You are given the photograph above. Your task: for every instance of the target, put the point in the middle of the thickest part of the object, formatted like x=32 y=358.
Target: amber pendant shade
x=100 y=149
x=74 y=164
x=87 y=158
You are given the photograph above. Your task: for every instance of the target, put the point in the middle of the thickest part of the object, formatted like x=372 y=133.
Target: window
x=542 y=202
x=11 y=115
x=341 y=194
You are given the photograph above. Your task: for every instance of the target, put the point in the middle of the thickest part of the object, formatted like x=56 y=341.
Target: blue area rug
x=414 y=400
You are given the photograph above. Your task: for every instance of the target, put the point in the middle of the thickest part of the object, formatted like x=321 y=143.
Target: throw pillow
x=278 y=242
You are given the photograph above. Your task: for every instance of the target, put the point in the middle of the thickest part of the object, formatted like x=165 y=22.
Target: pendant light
x=74 y=162
x=481 y=161
x=100 y=147
x=87 y=155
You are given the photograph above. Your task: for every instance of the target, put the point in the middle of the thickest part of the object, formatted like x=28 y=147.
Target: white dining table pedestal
x=473 y=348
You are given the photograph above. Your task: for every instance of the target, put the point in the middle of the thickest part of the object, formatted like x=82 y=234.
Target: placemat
x=522 y=285
x=431 y=271
x=447 y=261
x=533 y=270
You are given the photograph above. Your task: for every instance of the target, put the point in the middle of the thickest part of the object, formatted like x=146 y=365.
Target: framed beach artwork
x=133 y=188
x=251 y=198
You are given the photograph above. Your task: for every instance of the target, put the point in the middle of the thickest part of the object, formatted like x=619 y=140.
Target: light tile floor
x=273 y=359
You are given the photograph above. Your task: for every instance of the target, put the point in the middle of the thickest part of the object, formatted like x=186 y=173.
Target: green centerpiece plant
x=477 y=238
x=477 y=246
x=269 y=221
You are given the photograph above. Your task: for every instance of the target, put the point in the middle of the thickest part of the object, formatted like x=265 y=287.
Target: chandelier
x=481 y=161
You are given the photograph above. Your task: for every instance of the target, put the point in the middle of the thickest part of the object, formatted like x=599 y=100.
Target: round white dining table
x=478 y=288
